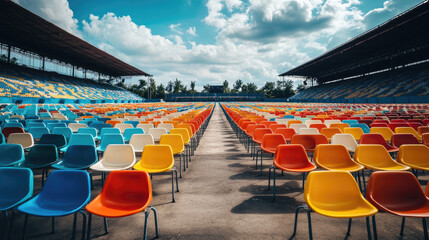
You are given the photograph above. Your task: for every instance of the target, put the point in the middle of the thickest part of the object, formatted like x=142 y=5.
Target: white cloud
x=390 y=8
x=175 y=28
x=192 y=31
x=57 y=12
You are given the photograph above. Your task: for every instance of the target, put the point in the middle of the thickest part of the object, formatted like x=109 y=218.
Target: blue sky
x=213 y=40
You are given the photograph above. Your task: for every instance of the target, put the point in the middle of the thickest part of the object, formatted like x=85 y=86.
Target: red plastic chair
x=394 y=125
x=423 y=129
x=375 y=138
x=376 y=124
x=274 y=127
x=425 y=137
x=398 y=139
x=309 y=141
x=9 y=130
x=398 y=193
x=415 y=125
x=291 y=158
x=269 y=144
x=319 y=126
x=286 y=132
x=268 y=123
x=125 y=193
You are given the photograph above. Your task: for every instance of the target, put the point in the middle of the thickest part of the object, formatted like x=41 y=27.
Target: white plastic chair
x=297 y=126
x=139 y=141
x=24 y=139
x=345 y=139
x=308 y=131
x=116 y=157
x=145 y=126
x=75 y=126
x=157 y=133
x=123 y=126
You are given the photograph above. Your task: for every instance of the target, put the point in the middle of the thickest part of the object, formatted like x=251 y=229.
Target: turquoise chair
x=51 y=126
x=79 y=139
x=89 y=130
x=109 y=138
x=11 y=154
x=77 y=157
x=108 y=130
x=65 y=131
x=130 y=131
x=37 y=132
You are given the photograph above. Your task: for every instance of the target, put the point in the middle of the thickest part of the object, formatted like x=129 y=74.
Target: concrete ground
x=222 y=196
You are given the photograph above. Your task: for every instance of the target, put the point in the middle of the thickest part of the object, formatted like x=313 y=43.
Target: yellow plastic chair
x=158 y=159
x=335 y=194
x=176 y=143
x=186 y=140
x=415 y=156
x=336 y=157
x=355 y=132
x=386 y=132
x=409 y=130
x=376 y=157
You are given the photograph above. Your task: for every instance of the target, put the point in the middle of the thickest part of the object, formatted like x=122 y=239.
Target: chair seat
x=100 y=166
x=148 y=169
x=47 y=209
x=296 y=167
x=269 y=150
x=7 y=204
x=68 y=166
x=97 y=207
x=353 y=210
x=347 y=168
x=391 y=167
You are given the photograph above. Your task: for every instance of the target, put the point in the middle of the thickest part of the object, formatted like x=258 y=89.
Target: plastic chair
x=335 y=194
x=51 y=126
x=269 y=144
x=425 y=137
x=65 y=192
x=9 y=130
x=113 y=122
x=89 y=130
x=125 y=193
x=374 y=125
x=309 y=141
x=37 y=132
x=145 y=126
x=131 y=131
x=375 y=138
x=16 y=186
x=2 y=139
x=100 y=126
x=167 y=126
x=286 y=132
x=415 y=156
x=310 y=122
x=157 y=133
x=308 y=131
x=67 y=132
x=341 y=126
x=134 y=123
x=423 y=129
x=158 y=159
x=329 y=122
x=25 y=139
x=176 y=143
x=318 y=126
x=186 y=140
x=355 y=132
x=76 y=126
x=41 y=156
x=123 y=126
x=297 y=126
x=409 y=130
x=329 y=132
x=108 y=131
x=79 y=139
x=274 y=127
x=362 y=126
x=56 y=139
x=290 y=158
x=374 y=156
x=386 y=132
x=139 y=141
x=109 y=138
x=77 y=157
x=399 y=139
x=400 y=194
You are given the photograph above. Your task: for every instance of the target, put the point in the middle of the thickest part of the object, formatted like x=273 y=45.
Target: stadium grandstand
x=387 y=64
x=215 y=97
x=30 y=41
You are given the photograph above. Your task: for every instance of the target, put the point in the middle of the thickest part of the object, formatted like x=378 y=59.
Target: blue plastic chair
x=47 y=121
x=350 y=122
x=37 y=132
x=89 y=130
x=13 y=124
x=65 y=131
x=130 y=131
x=35 y=124
x=2 y=138
x=51 y=126
x=134 y=123
x=77 y=157
x=11 y=154
x=100 y=126
x=109 y=138
x=57 y=139
x=16 y=186
x=65 y=192
x=363 y=126
x=41 y=156
x=79 y=139
x=108 y=130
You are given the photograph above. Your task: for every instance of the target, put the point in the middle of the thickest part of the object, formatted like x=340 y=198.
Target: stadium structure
x=387 y=64
x=27 y=39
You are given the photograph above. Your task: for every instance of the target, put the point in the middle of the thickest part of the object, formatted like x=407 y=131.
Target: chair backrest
x=134 y=123
x=286 y=132
x=66 y=131
x=51 y=126
x=274 y=127
x=16 y=186
x=35 y=125
x=110 y=138
x=386 y=132
x=309 y=141
x=347 y=140
x=309 y=122
x=9 y=130
x=408 y=130
x=355 y=132
x=25 y=139
x=372 y=154
x=331 y=156
x=157 y=133
x=41 y=155
x=308 y=131
x=167 y=126
x=374 y=138
x=398 y=139
x=37 y=132
x=318 y=126
x=145 y=126
x=414 y=155
x=329 y=132
x=12 y=154
x=79 y=156
x=272 y=140
x=81 y=139
x=100 y=126
x=139 y=141
x=76 y=126
x=157 y=156
x=119 y=155
x=57 y=139
x=109 y=131
x=291 y=155
x=131 y=131
x=329 y=122
x=89 y=130
x=365 y=128
x=65 y=188
x=174 y=140
x=127 y=189
x=297 y=126
x=425 y=137
x=340 y=126
x=123 y=126
x=397 y=191
x=394 y=125
x=329 y=189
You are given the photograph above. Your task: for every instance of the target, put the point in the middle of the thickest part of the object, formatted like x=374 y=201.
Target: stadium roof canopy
x=401 y=40
x=25 y=30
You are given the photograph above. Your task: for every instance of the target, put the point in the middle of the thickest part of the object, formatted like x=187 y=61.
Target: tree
x=169 y=87
x=192 y=87
x=14 y=60
x=3 y=58
x=237 y=86
x=284 y=89
x=152 y=88
x=206 y=88
x=177 y=86
x=268 y=89
x=225 y=86
x=160 y=91
x=300 y=88
x=251 y=88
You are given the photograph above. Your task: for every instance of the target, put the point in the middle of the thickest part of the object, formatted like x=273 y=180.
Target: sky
x=209 y=41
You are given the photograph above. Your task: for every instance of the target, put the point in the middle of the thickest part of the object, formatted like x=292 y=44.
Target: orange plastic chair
x=399 y=139
x=293 y=122
x=112 y=122
x=329 y=132
x=375 y=138
x=319 y=126
x=425 y=137
x=257 y=138
x=291 y=158
x=415 y=156
x=400 y=194
x=423 y=129
x=341 y=126
x=286 y=132
x=269 y=144
x=309 y=141
x=125 y=193
x=274 y=127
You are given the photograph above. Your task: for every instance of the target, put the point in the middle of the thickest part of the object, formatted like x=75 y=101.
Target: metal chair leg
x=425 y=228
x=74 y=226
x=172 y=186
x=155 y=217
x=106 y=227
x=374 y=228
x=274 y=184
x=402 y=227
x=25 y=227
x=349 y=228
x=83 y=223
x=368 y=228
x=88 y=234
x=146 y=215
